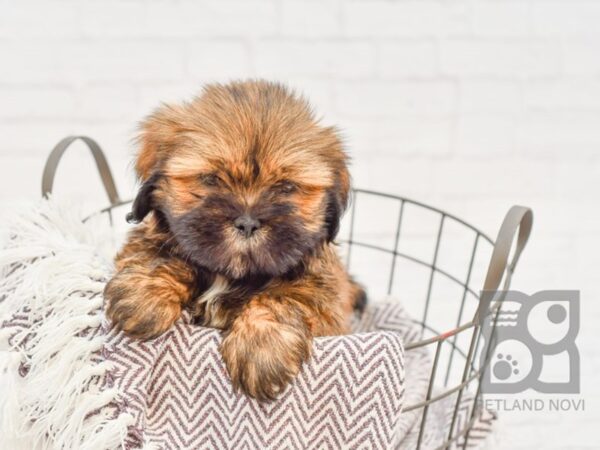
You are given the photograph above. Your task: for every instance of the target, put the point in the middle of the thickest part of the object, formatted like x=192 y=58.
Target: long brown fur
x=245 y=149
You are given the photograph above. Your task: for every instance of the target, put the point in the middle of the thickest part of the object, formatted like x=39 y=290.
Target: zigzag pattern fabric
x=348 y=396
x=77 y=384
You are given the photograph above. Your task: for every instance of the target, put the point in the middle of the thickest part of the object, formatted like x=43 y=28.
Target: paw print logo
x=527 y=333
x=505 y=367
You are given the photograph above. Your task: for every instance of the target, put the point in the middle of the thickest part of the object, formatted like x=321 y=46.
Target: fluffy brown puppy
x=241 y=197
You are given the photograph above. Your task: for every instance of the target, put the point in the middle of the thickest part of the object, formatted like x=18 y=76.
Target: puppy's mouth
x=258 y=253
x=238 y=254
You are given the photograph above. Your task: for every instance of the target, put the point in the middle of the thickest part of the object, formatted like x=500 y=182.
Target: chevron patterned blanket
x=71 y=382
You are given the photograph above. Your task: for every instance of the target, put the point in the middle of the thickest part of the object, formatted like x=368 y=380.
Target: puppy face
x=248 y=181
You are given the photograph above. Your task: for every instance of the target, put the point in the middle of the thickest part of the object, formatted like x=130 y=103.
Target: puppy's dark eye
x=210 y=179
x=285 y=187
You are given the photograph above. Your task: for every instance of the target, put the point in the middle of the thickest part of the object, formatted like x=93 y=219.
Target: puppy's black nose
x=246 y=225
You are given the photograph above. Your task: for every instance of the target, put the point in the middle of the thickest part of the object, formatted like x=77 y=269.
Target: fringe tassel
x=51 y=295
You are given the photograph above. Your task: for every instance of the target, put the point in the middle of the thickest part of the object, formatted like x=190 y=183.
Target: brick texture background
x=468 y=105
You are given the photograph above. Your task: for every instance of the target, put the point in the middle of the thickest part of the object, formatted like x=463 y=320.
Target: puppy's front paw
x=141 y=305
x=262 y=363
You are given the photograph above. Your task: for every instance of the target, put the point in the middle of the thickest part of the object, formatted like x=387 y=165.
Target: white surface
x=468 y=105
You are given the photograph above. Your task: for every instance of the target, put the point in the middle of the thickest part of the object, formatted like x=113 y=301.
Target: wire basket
x=447 y=273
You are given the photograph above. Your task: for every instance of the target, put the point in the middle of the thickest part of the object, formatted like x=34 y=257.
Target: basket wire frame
x=471 y=373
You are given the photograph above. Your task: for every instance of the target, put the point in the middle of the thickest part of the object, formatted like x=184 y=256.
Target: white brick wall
x=471 y=105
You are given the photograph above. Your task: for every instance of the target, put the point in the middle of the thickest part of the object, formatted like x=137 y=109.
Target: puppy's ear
x=144 y=201
x=337 y=200
x=159 y=133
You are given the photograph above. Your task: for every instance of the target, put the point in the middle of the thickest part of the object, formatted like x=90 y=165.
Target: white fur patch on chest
x=218 y=288
x=210 y=297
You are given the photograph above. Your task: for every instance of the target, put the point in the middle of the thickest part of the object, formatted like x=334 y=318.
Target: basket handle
x=518 y=219
x=103 y=169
